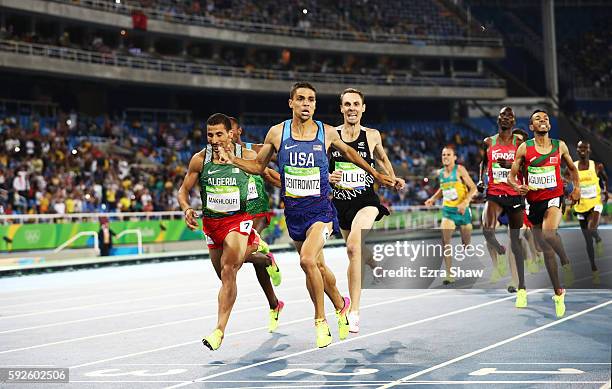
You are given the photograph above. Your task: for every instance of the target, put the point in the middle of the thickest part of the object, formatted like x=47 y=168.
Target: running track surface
x=141 y=327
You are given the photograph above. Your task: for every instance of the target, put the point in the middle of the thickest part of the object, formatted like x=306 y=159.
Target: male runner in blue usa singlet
x=302 y=144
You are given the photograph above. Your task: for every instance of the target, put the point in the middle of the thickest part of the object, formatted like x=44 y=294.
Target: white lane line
x=544 y=363
x=27 y=365
x=97 y=305
x=134 y=288
x=349 y=364
x=170 y=323
x=405 y=325
x=356 y=383
x=171 y=364
x=216 y=289
x=494 y=345
x=283 y=324
x=165 y=307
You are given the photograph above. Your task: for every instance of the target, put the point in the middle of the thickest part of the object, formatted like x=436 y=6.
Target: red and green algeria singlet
x=543 y=172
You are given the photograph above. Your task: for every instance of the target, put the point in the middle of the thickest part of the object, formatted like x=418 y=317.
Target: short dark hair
x=520 y=131
x=536 y=111
x=233 y=120
x=352 y=90
x=219 y=118
x=451 y=146
x=301 y=84
x=584 y=142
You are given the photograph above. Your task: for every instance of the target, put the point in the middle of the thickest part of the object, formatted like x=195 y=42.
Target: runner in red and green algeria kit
x=544 y=190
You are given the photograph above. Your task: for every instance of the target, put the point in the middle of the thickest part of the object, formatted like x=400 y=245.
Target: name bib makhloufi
x=449 y=192
x=500 y=174
x=543 y=177
x=353 y=177
x=252 y=189
x=302 y=181
x=223 y=199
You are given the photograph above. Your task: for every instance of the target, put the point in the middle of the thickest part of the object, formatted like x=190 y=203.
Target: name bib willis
x=542 y=177
x=223 y=199
x=302 y=181
x=353 y=177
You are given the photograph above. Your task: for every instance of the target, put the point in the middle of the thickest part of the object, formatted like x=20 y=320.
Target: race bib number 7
x=245 y=226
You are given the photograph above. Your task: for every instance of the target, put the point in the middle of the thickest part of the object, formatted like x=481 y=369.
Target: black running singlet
x=356 y=183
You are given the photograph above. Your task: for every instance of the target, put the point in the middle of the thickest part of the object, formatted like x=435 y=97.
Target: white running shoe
x=353 y=322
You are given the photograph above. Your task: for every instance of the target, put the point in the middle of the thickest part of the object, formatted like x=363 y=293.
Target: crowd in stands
x=71 y=164
x=256 y=62
x=600 y=125
x=364 y=18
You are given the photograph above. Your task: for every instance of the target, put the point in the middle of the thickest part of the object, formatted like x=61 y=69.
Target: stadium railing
x=263 y=28
x=178 y=66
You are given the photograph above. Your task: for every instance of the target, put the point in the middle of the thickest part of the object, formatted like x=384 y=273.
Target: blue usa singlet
x=305 y=188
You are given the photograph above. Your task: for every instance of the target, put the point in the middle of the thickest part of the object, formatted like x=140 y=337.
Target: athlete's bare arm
x=269 y=175
x=519 y=159
x=432 y=200
x=260 y=163
x=257 y=147
x=603 y=177
x=272 y=177
x=483 y=164
x=572 y=169
x=331 y=136
x=191 y=178
x=467 y=180
x=383 y=160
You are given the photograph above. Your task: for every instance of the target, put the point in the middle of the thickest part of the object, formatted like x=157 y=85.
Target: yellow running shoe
x=274 y=314
x=273 y=271
x=502 y=264
x=448 y=280
x=532 y=266
x=596 y=280
x=559 y=303
x=495 y=276
x=213 y=341
x=568 y=275
x=343 y=321
x=599 y=248
x=521 y=299
x=324 y=337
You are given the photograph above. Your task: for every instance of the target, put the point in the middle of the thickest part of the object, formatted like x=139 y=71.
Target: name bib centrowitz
x=223 y=199
x=353 y=177
x=302 y=181
x=543 y=177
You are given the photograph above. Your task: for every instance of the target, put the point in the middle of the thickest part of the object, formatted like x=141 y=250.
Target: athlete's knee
x=229 y=271
x=489 y=233
x=517 y=246
x=308 y=262
x=550 y=236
